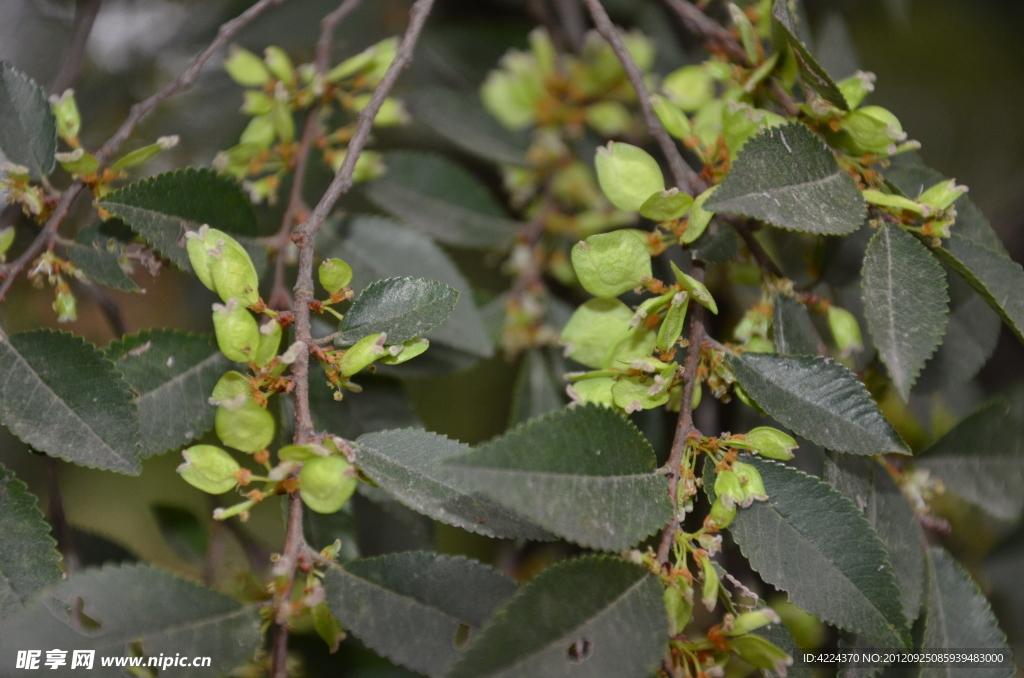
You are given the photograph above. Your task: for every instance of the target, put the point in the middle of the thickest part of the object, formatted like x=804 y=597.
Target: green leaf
x=718 y=244
x=28 y=560
x=819 y=399
x=959 y=616
x=787 y=177
x=813 y=74
x=28 y=130
x=409 y=465
x=461 y=119
x=598 y=617
x=779 y=636
x=413 y=607
x=586 y=474
x=905 y=303
x=792 y=330
x=405 y=308
x=441 y=199
x=871 y=488
x=101 y=266
x=982 y=460
x=538 y=389
x=380 y=248
x=996 y=277
x=63 y=397
x=182 y=531
x=137 y=604
x=173 y=374
x=162 y=208
x=813 y=543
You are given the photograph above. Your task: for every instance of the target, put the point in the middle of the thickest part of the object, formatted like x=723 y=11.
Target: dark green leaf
x=792 y=330
x=63 y=397
x=819 y=399
x=787 y=177
x=95 y=551
x=593 y=616
x=323 y=529
x=405 y=308
x=871 y=488
x=173 y=374
x=137 y=604
x=537 y=390
x=813 y=543
x=28 y=130
x=182 y=531
x=441 y=199
x=461 y=119
x=982 y=460
x=382 y=404
x=586 y=474
x=28 y=559
x=717 y=245
x=960 y=617
x=410 y=607
x=905 y=303
x=380 y=248
x=101 y=266
x=813 y=74
x=409 y=465
x=162 y=208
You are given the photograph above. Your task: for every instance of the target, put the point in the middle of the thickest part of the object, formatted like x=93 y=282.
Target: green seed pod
x=231 y=269
x=6 y=240
x=856 y=88
x=649 y=306
x=689 y=87
x=363 y=353
x=709 y=592
x=633 y=394
x=678 y=609
x=666 y=206
x=753 y=620
x=894 y=202
x=873 y=129
x=771 y=442
x=697 y=394
x=269 y=343
x=334 y=275
x=400 y=353
x=746 y=29
x=257 y=102
x=761 y=654
x=279 y=64
x=244 y=426
x=699 y=219
x=392 y=112
x=760 y=345
x=327 y=627
x=845 y=330
x=599 y=335
x=209 y=468
x=145 y=154
x=750 y=480
x=695 y=289
x=628 y=175
x=721 y=516
x=672 y=326
x=284 y=123
x=543 y=49
x=672 y=117
x=246 y=68
x=301 y=453
x=78 y=161
x=238 y=335
x=942 y=195
x=229 y=387
x=609 y=118
x=325 y=484
x=69 y=120
x=609 y=264
x=260 y=132
x=729 y=489
x=597 y=390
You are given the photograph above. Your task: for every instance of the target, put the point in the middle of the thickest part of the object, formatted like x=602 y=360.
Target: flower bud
x=209 y=468
x=761 y=654
x=709 y=592
x=609 y=264
x=231 y=269
x=721 y=516
x=325 y=484
x=246 y=68
x=400 y=353
x=363 y=353
x=244 y=426
x=269 y=343
x=750 y=479
x=672 y=117
x=753 y=620
x=279 y=64
x=942 y=195
x=845 y=330
x=699 y=218
x=6 y=240
x=334 y=275
x=678 y=609
x=229 y=387
x=69 y=121
x=238 y=335
x=628 y=175
x=689 y=87
x=695 y=289
x=666 y=206
x=771 y=443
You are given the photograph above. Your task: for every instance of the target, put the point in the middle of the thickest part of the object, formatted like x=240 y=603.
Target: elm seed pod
x=238 y=335
x=325 y=484
x=231 y=269
x=244 y=425
x=209 y=468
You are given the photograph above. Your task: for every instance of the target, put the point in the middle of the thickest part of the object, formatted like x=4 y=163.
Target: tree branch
x=74 y=53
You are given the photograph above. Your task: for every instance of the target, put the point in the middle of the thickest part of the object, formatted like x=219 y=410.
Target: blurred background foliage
x=951 y=70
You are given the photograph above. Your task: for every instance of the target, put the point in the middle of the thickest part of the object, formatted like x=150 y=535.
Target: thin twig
x=61 y=528
x=74 y=53
x=327 y=27
x=293 y=543
x=686 y=179
x=570 y=14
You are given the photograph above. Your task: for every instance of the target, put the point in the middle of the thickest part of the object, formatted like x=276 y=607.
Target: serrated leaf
x=63 y=397
x=598 y=617
x=28 y=560
x=586 y=474
x=409 y=465
x=380 y=248
x=173 y=374
x=101 y=266
x=409 y=607
x=537 y=390
x=162 y=208
x=183 y=532
x=905 y=303
x=872 y=489
x=792 y=330
x=460 y=118
x=28 y=130
x=813 y=543
x=787 y=177
x=982 y=460
x=960 y=617
x=136 y=603
x=405 y=308
x=813 y=74
x=441 y=199
x=819 y=399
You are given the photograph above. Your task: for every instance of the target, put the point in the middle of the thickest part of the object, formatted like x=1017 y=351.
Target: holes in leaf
x=580 y=651
x=461 y=636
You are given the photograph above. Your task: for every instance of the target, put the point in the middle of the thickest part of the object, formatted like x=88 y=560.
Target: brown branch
x=74 y=53
x=686 y=179
x=305 y=237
